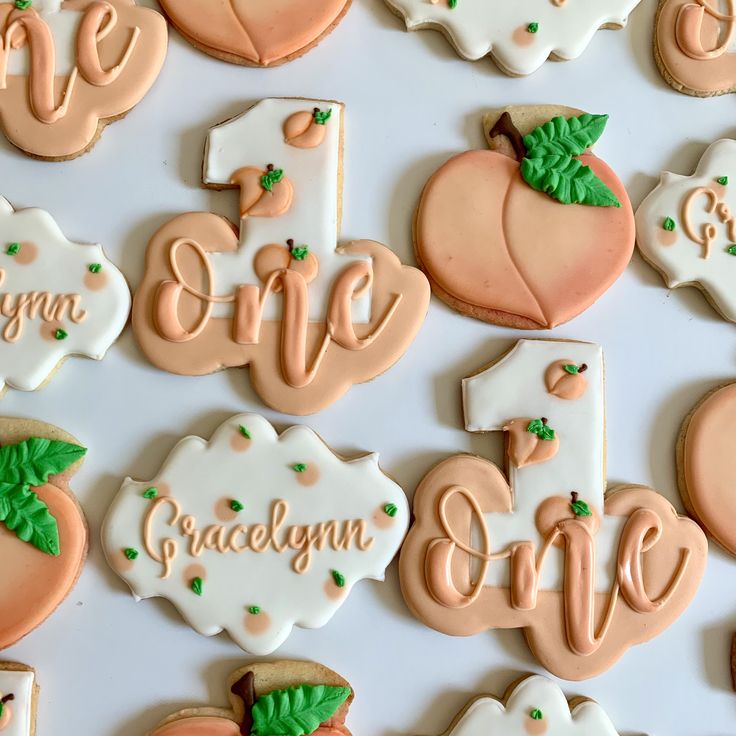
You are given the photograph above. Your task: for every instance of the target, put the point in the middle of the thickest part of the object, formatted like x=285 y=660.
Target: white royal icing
x=256 y=138
x=488 y=717
x=63 y=25
x=480 y=27
x=682 y=261
x=20 y=685
x=60 y=268
x=201 y=475
x=515 y=387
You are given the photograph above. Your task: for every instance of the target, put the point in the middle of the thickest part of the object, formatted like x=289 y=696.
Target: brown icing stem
x=7 y=698
x=505 y=126
x=245 y=689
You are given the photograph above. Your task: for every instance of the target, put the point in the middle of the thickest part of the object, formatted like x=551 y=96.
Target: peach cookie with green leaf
x=43 y=534
x=283 y=698
x=532 y=232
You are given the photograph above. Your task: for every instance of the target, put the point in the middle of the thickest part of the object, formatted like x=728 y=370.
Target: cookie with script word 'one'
x=252 y=32
x=255 y=532
x=586 y=572
x=19 y=693
x=519 y=35
x=310 y=318
x=693 y=45
x=533 y=706
x=686 y=228
x=43 y=534
x=57 y=298
x=70 y=67
x=292 y=698
x=532 y=232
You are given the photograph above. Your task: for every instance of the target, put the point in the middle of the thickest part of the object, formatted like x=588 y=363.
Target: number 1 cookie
x=291 y=698
x=43 y=534
x=520 y=35
x=310 y=318
x=18 y=700
x=70 y=67
x=478 y=223
x=586 y=573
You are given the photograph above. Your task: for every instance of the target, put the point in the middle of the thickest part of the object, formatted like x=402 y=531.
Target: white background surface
x=110 y=667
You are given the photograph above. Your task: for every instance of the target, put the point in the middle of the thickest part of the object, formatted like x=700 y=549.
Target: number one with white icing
x=585 y=573
x=309 y=317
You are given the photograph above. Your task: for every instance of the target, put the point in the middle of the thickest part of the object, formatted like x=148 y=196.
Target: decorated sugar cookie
x=70 y=67
x=255 y=532
x=685 y=228
x=519 y=35
x=18 y=697
x=309 y=318
x=584 y=572
x=57 y=298
x=43 y=534
x=291 y=698
x=254 y=33
x=477 y=227
x=706 y=468
x=693 y=45
x=533 y=707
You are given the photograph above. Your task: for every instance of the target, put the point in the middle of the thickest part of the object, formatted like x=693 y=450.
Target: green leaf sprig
x=296 y=711
x=579 y=508
x=540 y=428
x=271 y=177
x=29 y=464
x=321 y=116
x=551 y=164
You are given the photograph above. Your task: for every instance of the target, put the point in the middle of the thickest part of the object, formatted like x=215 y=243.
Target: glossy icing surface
x=257 y=33
x=312 y=525
x=20 y=685
x=477 y=28
x=48 y=286
x=696 y=250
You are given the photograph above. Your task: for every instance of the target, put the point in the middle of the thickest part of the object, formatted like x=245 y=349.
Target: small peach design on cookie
x=96 y=277
x=6 y=710
x=306 y=129
x=565 y=379
x=193 y=572
x=227 y=509
x=384 y=516
x=263 y=193
x=124 y=559
x=307 y=474
x=523 y=36
x=274 y=258
x=26 y=253
x=531 y=441
x=555 y=510
x=335 y=585
x=241 y=440
x=535 y=724
x=256 y=621
x=53 y=331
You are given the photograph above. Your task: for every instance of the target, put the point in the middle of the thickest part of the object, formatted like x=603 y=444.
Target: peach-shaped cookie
x=253 y=32
x=530 y=240
x=266 y=698
x=43 y=534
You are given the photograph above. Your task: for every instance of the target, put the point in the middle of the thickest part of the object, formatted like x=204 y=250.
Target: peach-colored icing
x=522 y=36
x=708 y=466
x=120 y=561
x=333 y=590
x=562 y=384
x=239 y=442
x=525 y=448
x=49 y=329
x=253 y=31
x=308 y=477
x=44 y=305
x=556 y=508
x=33 y=584
x=708 y=199
x=199 y=726
x=257 y=623
x=255 y=201
x=666 y=237
x=477 y=235
x=95 y=281
x=27 y=254
x=535 y=727
x=301 y=130
x=7 y=715
x=195 y=570
x=692 y=40
x=177 y=332
x=272 y=258
x=575 y=632
x=115 y=68
x=381 y=519
x=224 y=510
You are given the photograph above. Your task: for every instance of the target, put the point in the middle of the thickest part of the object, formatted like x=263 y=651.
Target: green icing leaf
x=321 y=117
x=669 y=224
x=131 y=553
x=95 y=267
x=22 y=5
x=61 y=334
x=452 y=4
x=299 y=468
x=732 y=250
x=572 y=369
x=533 y=27
x=236 y=506
x=25 y=514
x=580 y=508
x=13 y=248
x=300 y=252
x=150 y=493
x=32 y=461
x=271 y=177
x=722 y=180
x=567 y=180
x=339 y=578
x=245 y=432
x=254 y=610
x=539 y=427
x=536 y=714
x=391 y=509
x=296 y=711
x=198 y=586
x=561 y=137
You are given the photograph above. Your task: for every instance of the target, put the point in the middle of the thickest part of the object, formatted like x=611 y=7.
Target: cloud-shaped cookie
x=535 y=707
x=520 y=35
x=686 y=228
x=253 y=532
x=57 y=298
